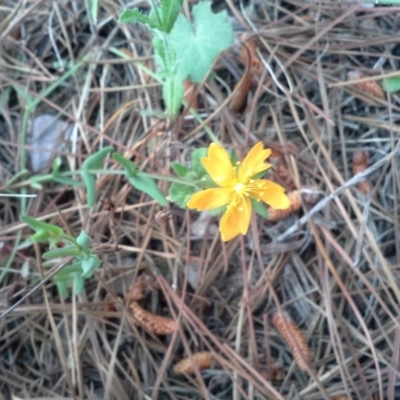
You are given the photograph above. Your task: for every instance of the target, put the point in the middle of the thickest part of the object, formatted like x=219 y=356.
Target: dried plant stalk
x=280 y=170
x=249 y=57
x=251 y=51
x=273 y=373
x=372 y=87
x=360 y=163
x=143 y=283
x=244 y=85
x=150 y=322
x=190 y=94
x=294 y=339
x=295 y=205
x=197 y=361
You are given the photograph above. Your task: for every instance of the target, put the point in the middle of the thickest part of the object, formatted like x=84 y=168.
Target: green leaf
x=197 y=47
x=37 y=225
x=197 y=165
x=93 y=162
x=96 y=160
x=259 y=208
x=62 y=252
x=66 y=272
x=206 y=183
x=57 y=177
x=180 y=169
x=25 y=269
x=34 y=184
x=41 y=236
x=180 y=194
x=78 y=282
x=169 y=12
x=130 y=167
x=84 y=241
x=173 y=94
x=68 y=181
x=90 y=184
x=136 y=15
x=62 y=289
x=89 y=265
x=391 y=85
x=147 y=185
x=92 y=7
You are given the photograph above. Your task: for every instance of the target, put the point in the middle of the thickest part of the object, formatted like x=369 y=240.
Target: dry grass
x=335 y=270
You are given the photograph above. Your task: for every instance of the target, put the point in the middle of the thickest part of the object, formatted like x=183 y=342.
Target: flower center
x=240 y=188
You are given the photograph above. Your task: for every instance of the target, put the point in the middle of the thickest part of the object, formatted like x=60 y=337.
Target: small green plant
x=84 y=262
x=391 y=84
x=182 y=50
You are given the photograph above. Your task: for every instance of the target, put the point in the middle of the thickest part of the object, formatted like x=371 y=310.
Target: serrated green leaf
x=197 y=47
x=180 y=194
x=391 y=85
x=259 y=208
x=136 y=15
x=173 y=94
x=180 y=169
x=148 y=186
x=197 y=165
x=84 y=241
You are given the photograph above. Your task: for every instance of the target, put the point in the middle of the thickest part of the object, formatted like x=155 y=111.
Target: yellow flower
x=236 y=188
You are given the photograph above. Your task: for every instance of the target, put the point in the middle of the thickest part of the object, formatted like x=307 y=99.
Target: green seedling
x=392 y=84
x=195 y=174
x=83 y=264
x=92 y=163
x=139 y=180
x=183 y=50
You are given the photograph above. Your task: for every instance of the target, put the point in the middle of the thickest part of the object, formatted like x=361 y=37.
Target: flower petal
x=236 y=220
x=210 y=198
x=219 y=166
x=271 y=193
x=253 y=163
